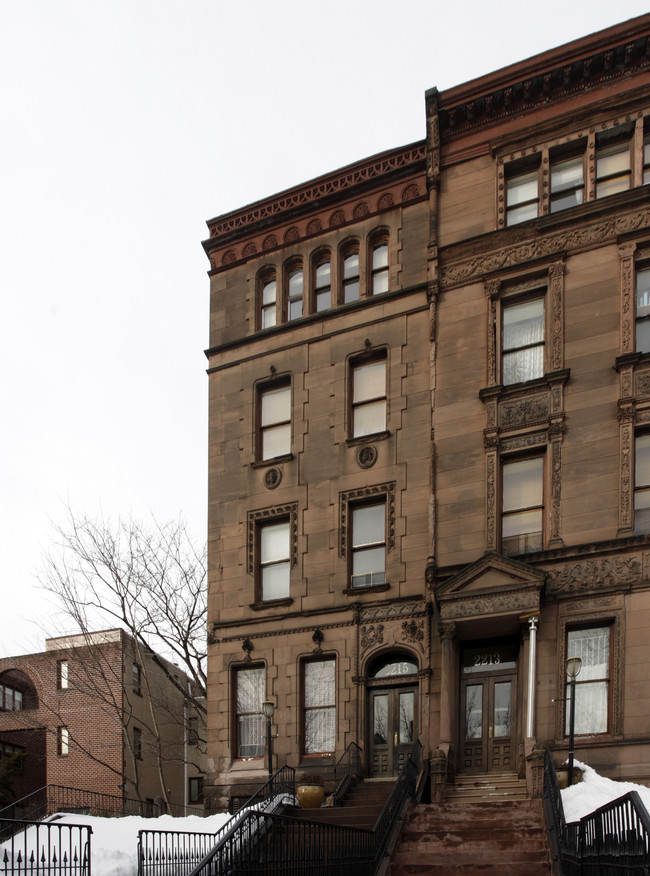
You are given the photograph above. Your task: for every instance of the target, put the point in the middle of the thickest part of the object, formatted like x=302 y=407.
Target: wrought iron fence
x=612 y=841
x=176 y=853
x=348 y=767
x=35 y=848
x=263 y=842
x=58 y=798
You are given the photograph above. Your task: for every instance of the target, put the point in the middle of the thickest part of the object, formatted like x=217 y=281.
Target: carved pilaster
x=626 y=431
x=491 y=501
x=556 y=491
x=626 y=252
x=491 y=292
x=556 y=296
x=591 y=167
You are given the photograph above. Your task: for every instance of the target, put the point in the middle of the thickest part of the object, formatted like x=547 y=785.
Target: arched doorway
x=392 y=713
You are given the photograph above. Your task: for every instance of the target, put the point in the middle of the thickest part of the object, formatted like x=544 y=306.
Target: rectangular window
x=351 y=276
x=368 y=556
x=646 y=158
x=380 y=267
x=642 y=485
x=275 y=560
x=368 y=398
x=62 y=741
x=643 y=311
x=294 y=293
x=592 y=683
x=137 y=743
x=523 y=341
x=62 y=676
x=275 y=421
x=11 y=699
x=193 y=731
x=137 y=679
x=613 y=165
x=195 y=789
x=323 y=286
x=523 y=506
x=319 y=686
x=249 y=720
x=522 y=197
x=567 y=183
x=268 y=297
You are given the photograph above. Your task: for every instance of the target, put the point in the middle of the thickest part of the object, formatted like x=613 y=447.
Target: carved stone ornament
x=270 y=242
x=596 y=573
x=642 y=383
x=524 y=411
x=361 y=210
x=371 y=636
x=272 y=478
x=392 y=612
x=512 y=602
x=350 y=496
x=581 y=238
x=413 y=631
x=367 y=456
x=291 y=234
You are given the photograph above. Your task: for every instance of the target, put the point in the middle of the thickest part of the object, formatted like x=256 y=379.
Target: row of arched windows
x=331 y=279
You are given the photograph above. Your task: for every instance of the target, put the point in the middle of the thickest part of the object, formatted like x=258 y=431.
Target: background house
x=98 y=713
x=429 y=449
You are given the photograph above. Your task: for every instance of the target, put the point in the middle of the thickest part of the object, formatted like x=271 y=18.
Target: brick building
x=429 y=451
x=98 y=713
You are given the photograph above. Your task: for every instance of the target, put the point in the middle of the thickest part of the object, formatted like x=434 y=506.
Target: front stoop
x=473 y=839
x=484 y=787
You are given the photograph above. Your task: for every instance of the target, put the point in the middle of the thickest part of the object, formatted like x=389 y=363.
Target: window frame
x=283 y=521
x=584 y=682
x=235 y=714
x=510 y=513
x=641 y=488
x=197 y=796
x=305 y=709
x=16 y=697
x=614 y=142
x=136 y=678
x=320 y=258
x=292 y=268
x=266 y=278
x=367 y=547
x=355 y=404
x=577 y=154
x=62 y=675
x=266 y=388
x=137 y=743
x=62 y=741
x=525 y=173
x=508 y=304
x=641 y=320
x=353 y=279
x=379 y=241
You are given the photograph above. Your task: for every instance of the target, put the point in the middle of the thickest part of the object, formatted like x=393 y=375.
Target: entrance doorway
x=488 y=708
x=392 y=715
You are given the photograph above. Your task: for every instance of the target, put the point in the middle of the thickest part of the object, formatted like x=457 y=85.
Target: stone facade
x=492 y=276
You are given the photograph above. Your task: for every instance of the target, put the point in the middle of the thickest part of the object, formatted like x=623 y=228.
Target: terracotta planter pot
x=310 y=796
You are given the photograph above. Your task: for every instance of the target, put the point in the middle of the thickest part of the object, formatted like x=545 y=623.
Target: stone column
x=532 y=654
x=447 y=698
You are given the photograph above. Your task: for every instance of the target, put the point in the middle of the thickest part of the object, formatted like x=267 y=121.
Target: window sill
x=271 y=603
x=372 y=588
x=365 y=439
x=276 y=460
x=310 y=761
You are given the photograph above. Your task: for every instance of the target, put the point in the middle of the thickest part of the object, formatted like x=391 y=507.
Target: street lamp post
x=573 y=666
x=268 y=707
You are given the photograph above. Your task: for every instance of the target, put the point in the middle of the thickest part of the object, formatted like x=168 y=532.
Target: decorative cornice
x=349 y=180
x=539 y=246
x=558 y=75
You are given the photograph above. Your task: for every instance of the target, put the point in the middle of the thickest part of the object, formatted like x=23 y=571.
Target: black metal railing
x=348 y=767
x=614 y=840
x=34 y=848
x=166 y=852
x=263 y=842
x=58 y=798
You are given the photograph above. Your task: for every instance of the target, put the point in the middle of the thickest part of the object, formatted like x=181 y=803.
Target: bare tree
x=150 y=581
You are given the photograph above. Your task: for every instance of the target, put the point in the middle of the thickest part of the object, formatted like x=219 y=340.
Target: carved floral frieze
x=596 y=573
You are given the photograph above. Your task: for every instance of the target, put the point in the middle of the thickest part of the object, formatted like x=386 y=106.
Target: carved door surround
x=491 y=598
x=531 y=415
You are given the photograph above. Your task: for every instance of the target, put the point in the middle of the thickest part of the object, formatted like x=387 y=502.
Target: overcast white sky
x=126 y=124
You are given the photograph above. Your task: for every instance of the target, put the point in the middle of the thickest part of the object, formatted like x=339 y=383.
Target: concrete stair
x=473 y=839
x=479 y=787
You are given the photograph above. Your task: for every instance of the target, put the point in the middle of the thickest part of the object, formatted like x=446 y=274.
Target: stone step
x=431 y=869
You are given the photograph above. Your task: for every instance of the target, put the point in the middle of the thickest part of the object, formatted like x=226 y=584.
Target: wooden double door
x=392 y=728
x=488 y=731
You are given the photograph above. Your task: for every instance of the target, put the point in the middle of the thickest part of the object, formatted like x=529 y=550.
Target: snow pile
x=114 y=841
x=595 y=791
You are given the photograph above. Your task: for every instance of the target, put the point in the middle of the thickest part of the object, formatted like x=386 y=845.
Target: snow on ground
x=114 y=841
x=595 y=791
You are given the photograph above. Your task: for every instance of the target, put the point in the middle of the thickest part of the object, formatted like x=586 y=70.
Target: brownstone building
x=430 y=438
x=97 y=713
